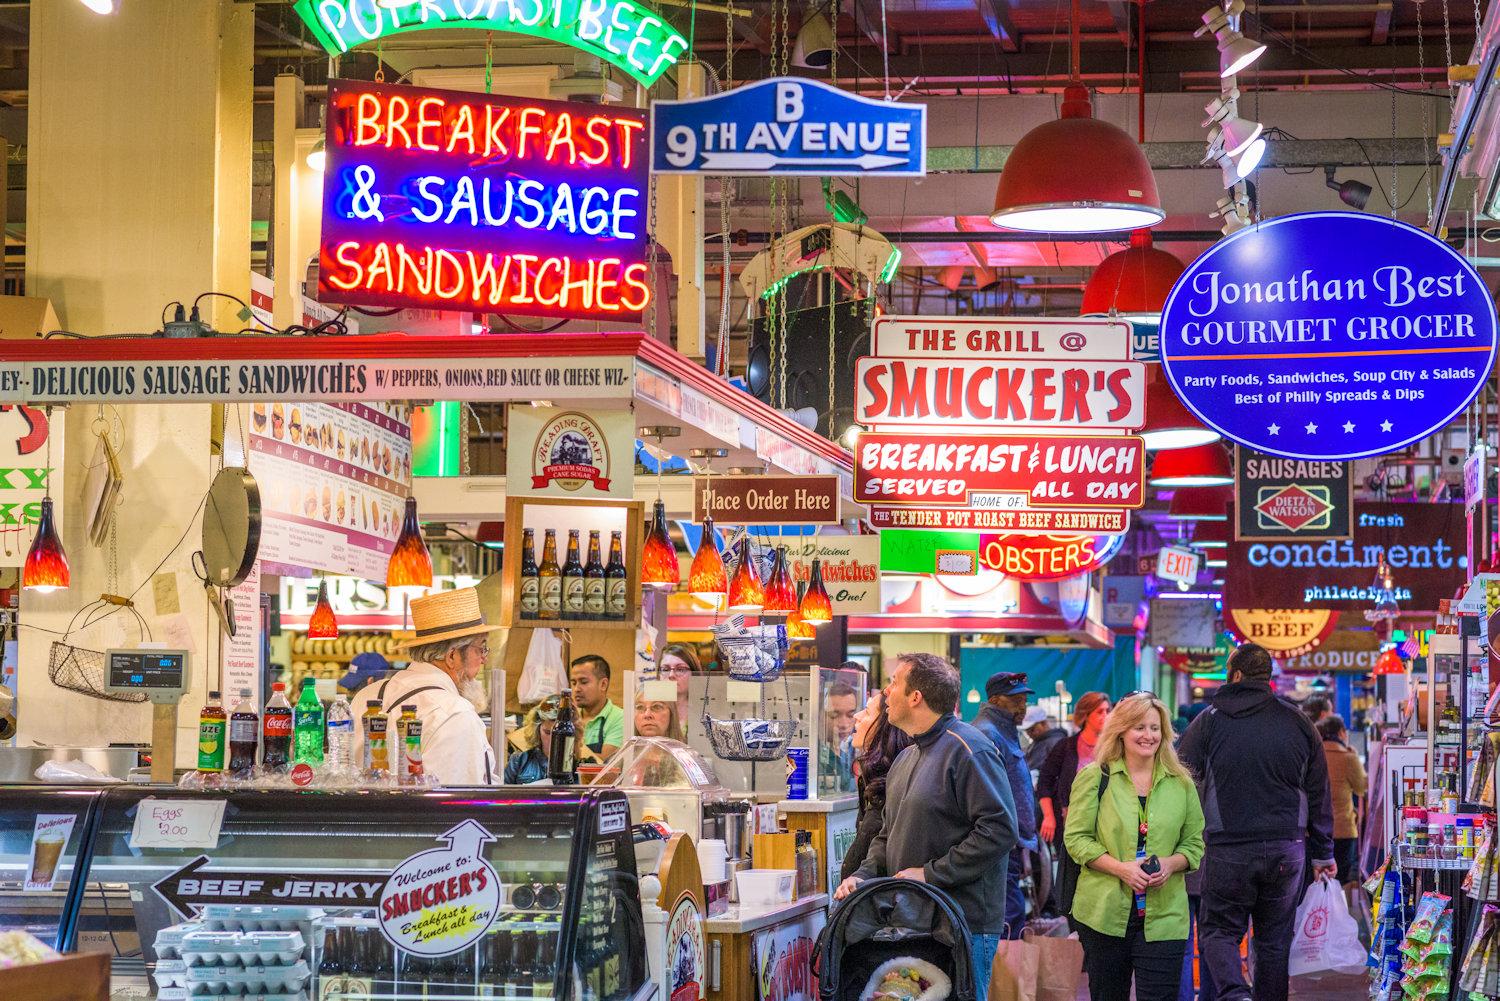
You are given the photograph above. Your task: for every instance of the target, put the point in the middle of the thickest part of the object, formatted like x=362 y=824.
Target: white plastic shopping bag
x=1327 y=938
x=543 y=673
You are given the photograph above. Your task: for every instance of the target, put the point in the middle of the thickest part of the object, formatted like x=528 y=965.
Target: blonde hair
x=674 y=725
x=1128 y=713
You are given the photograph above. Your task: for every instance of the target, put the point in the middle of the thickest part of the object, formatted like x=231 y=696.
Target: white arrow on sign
x=727 y=162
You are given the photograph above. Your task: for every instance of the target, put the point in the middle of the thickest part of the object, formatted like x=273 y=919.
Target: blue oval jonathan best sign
x=1328 y=335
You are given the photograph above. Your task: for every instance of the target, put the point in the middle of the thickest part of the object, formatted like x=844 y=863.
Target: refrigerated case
x=503 y=892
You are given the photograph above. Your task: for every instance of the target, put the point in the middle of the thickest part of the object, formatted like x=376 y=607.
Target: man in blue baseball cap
x=363 y=669
x=1004 y=708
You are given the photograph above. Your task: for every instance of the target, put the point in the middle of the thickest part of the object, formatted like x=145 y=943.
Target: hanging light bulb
x=798 y=628
x=706 y=578
x=659 y=557
x=815 y=605
x=781 y=593
x=410 y=564
x=746 y=593
x=46 y=568
x=323 y=625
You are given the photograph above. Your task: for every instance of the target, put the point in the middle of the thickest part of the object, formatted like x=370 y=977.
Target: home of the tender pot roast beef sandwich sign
x=623 y=33
x=1328 y=335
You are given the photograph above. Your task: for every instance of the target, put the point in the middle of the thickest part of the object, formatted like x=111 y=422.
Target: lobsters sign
x=1328 y=335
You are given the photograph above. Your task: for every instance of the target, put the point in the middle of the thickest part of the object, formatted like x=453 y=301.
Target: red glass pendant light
x=781 y=593
x=798 y=628
x=659 y=557
x=706 y=578
x=323 y=625
x=815 y=605
x=411 y=563
x=46 y=569
x=746 y=593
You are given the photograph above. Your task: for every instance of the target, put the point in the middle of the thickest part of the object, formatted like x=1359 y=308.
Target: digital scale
x=163 y=676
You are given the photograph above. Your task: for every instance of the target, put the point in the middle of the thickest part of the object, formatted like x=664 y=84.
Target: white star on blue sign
x=1385 y=425
x=1348 y=427
x=1311 y=428
x=1274 y=429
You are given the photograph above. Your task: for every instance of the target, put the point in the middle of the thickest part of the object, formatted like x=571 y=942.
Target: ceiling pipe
x=1462 y=131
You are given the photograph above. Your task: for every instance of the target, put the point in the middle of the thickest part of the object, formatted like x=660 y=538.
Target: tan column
x=680 y=204
x=138 y=193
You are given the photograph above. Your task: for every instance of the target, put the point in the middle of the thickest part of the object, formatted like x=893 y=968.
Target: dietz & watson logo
x=1294 y=508
x=572 y=453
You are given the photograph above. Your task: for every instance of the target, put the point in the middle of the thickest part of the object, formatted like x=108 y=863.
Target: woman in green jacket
x=1135 y=826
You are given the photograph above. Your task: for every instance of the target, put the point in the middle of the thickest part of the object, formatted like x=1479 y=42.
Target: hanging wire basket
x=758 y=655
x=82 y=670
x=749 y=739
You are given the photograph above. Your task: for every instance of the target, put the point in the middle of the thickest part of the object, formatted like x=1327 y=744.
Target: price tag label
x=177 y=823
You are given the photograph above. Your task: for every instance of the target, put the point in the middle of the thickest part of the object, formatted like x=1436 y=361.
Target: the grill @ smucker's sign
x=1328 y=335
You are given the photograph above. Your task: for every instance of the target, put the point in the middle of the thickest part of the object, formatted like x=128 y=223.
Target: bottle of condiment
x=615 y=581
x=572 y=581
x=561 y=768
x=531 y=582
x=550 y=576
x=593 y=581
x=212 y=725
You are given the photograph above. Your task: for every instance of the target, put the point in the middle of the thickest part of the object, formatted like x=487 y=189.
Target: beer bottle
x=413 y=751
x=359 y=967
x=572 y=580
x=382 y=962
x=211 y=727
x=376 y=757
x=615 y=581
x=244 y=737
x=276 y=731
x=331 y=980
x=593 y=581
x=307 y=725
x=495 y=975
x=561 y=768
x=541 y=969
x=531 y=582
x=550 y=577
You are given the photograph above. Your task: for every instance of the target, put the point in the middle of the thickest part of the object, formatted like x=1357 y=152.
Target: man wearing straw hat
x=447 y=653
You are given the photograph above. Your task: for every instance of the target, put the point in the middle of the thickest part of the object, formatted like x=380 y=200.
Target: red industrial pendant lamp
x=1169 y=424
x=1201 y=504
x=1077 y=174
x=323 y=625
x=1201 y=466
x=1132 y=283
x=1211 y=534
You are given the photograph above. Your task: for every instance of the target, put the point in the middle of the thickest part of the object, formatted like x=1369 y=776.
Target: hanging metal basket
x=81 y=670
x=749 y=739
x=759 y=655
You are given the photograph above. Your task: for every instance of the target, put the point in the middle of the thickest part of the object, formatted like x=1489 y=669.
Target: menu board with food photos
x=333 y=481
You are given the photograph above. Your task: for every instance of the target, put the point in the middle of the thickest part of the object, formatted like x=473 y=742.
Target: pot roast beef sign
x=1282 y=499
x=1328 y=335
x=1423 y=543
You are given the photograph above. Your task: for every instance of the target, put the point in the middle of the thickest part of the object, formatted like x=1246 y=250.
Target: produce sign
x=624 y=34
x=1282 y=499
x=1284 y=632
x=1047 y=557
x=999 y=472
x=447 y=200
x=1423 y=544
x=788 y=125
x=1328 y=335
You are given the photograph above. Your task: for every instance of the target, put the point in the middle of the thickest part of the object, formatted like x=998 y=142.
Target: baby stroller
x=886 y=919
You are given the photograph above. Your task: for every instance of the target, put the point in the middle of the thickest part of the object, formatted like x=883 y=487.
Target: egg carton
x=183 y=994
x=247 y=917
x=170 y=973
x=169 y=940
x=242 y=948
x=237 y=981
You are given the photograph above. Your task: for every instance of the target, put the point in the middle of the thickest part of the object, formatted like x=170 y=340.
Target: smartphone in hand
x=1151 y=866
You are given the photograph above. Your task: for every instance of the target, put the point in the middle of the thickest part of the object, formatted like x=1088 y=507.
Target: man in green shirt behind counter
x=600 y=720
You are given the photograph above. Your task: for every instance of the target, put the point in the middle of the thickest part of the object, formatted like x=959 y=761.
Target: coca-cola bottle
x=276 y=733
x=244 y=737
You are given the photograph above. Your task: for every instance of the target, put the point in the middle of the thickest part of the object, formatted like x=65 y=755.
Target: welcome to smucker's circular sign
x=1328 y=335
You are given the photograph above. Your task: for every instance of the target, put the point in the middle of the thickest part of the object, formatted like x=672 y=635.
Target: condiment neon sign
x=461 y=201
x=623 y=34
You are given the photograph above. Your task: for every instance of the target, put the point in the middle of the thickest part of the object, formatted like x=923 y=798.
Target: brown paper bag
x=1014 y=975
x=1059 y=968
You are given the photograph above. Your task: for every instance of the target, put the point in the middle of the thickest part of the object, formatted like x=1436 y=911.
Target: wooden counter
x=731 y=937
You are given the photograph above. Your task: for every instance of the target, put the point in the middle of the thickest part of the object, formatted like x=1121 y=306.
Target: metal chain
x=1478 y=26
x=489 y=61
x=780 y=43
x=1448 y=47
x=1427 y=124
x=651 y=260
x=379 y=63
x=1394 y=181
x=833 y=75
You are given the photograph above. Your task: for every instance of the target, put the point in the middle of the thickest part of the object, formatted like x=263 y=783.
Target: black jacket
x=949 y=812
x=1001 y=729
x=1054 y=780
x=1261 y=771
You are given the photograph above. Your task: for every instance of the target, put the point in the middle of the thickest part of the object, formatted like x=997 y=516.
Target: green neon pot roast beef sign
x=622 y=33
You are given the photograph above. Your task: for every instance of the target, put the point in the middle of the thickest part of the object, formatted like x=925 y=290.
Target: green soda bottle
x=307 y=726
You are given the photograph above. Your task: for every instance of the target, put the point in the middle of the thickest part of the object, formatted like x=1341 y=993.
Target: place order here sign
x=1014 y=424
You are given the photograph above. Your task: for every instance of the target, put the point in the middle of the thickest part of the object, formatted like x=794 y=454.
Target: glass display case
x=501 y=893
x=666 y=780
x=840 y=693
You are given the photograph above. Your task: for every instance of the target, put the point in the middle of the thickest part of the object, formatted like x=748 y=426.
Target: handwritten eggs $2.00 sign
x=1328 y=335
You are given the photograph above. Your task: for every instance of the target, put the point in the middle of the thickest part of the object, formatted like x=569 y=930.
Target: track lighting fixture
x=1238 y=134
x=1236 y=52
x=1354 y=194
x=813 y=48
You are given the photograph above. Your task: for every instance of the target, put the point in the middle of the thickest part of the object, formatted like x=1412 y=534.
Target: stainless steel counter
x=19 y=764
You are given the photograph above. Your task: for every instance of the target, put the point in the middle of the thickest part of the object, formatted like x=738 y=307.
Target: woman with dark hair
x=1054 y=785
x=678 y=664
x=876 y=745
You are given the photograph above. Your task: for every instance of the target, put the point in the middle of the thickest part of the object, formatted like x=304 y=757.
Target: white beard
x=473 y=690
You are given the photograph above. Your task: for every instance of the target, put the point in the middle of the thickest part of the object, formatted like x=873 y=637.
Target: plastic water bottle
x=340 y=734
x=307 y=726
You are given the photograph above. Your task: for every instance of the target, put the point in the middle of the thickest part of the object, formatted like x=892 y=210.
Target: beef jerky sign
x=1284 y=499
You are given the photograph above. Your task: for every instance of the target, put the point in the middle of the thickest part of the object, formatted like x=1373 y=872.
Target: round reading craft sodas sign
x=1328 y=335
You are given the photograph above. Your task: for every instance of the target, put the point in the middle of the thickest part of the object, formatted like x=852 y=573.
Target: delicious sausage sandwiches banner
x=1422 y=543
x=1328 y=335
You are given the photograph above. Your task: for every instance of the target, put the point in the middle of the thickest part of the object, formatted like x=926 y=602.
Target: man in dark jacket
x=1005 y=707
x=1264 y=785
x=949 y=816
